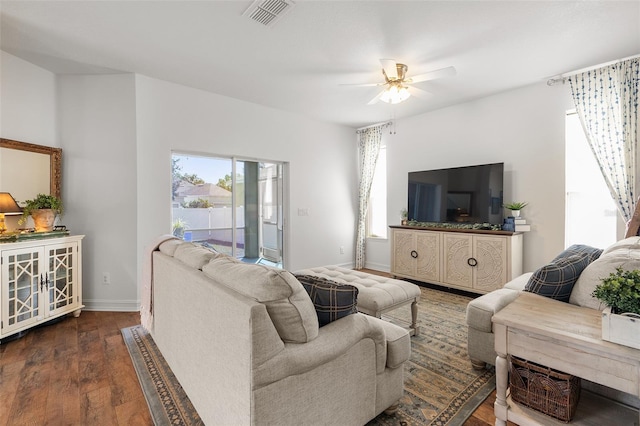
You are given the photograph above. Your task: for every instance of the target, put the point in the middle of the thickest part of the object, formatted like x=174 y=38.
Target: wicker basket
x=549 y=391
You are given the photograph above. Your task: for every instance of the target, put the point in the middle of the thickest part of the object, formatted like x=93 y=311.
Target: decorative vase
x=515 y=213
x=43 y=219
x=403 y=222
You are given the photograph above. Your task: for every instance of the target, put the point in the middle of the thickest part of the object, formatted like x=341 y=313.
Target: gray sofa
x=244 y=342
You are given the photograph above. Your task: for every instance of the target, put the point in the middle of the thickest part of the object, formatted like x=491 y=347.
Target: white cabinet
x=40 y=279
x=476 y=261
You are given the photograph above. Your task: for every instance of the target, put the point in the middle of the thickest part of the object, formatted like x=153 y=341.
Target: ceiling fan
x=397 y=84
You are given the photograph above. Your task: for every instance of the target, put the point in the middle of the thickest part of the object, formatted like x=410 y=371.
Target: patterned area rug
x=441 y=387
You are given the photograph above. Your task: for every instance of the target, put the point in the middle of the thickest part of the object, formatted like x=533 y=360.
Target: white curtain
x=368 y=149
x=606 y=100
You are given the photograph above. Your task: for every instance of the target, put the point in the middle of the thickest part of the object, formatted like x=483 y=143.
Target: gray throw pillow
x=591 y=252
x=332 y=300
x=556 y=279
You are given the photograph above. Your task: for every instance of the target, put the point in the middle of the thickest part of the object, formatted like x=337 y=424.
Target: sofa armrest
x=333 y=340
x=398 y=342
x=481 y=310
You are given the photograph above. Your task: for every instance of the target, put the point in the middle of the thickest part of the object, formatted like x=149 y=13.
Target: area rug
x=441 y=387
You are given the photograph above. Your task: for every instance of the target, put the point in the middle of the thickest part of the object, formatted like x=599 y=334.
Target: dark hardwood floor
x=74 y=372
x=78 y=372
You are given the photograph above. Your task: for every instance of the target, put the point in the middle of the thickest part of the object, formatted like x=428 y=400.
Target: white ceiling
x=300 y=63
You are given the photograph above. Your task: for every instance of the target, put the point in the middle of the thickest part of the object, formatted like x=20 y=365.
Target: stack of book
x=521 y=224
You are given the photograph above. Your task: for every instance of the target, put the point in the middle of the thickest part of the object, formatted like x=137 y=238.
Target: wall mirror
x=27 y=170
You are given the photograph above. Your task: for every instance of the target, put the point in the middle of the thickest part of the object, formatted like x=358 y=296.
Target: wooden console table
x=567 y=338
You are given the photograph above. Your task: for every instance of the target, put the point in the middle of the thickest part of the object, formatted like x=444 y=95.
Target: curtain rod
x=563 y=77
x=384 y=124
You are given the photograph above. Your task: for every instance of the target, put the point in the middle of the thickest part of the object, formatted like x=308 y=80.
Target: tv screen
x=471 y=194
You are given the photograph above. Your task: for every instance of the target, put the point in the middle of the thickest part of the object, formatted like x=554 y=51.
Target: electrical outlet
x=106 y=278
x=341 y=249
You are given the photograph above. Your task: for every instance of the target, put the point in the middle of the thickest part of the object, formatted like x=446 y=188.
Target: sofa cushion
x=624 y=254
x=631 y=243
x=169 y=247
x=331 y=300
x=592 y=253
x=286 y=300
x=556 y=279
x=194 y=255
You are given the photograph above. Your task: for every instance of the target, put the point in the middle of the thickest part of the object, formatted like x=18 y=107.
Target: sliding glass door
x=234 y=205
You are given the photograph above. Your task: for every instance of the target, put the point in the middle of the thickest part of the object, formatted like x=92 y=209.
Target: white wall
x=523 y=128
x=27 y=102
x=98 y=133
x=321 y=157
x=27 y=107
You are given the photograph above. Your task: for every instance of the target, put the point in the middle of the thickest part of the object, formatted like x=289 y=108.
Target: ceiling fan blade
x=432 y=75
x=419 y=93
x=390 y=69
x=376 y=99
x=363 y=84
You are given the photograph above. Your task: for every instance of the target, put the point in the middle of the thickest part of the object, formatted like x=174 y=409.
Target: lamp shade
x=8 y=204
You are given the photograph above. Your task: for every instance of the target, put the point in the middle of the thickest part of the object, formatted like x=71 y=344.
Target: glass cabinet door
x=61 y=278
x=21 y=278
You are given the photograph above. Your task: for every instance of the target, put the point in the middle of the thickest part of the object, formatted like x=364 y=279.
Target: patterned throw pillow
x=556 y=280
x=332 y=300
x=591 y=252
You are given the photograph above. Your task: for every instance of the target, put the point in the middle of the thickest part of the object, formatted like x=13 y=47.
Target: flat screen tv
x=466 y=195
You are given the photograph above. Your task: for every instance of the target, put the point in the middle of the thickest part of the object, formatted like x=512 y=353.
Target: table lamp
x=7 y=205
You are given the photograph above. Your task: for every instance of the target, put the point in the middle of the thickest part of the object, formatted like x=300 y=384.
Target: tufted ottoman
x=376 y=294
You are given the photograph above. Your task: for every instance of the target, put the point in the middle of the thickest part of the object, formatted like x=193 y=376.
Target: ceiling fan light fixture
x=395 y=94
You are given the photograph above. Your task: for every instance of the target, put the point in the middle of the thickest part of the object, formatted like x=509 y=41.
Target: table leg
x=500 y=406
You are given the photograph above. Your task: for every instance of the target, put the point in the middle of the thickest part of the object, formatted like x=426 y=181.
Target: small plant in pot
x=404 y=214
x=515 y=207
x=179 y=225
x=620 y=291
x=43 y=209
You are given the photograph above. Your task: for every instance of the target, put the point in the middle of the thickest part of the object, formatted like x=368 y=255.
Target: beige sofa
x=244 y=342
x=624 y=253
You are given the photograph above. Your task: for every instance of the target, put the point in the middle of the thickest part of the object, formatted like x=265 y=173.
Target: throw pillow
x=591 y=252
x=556 y=280
x=332 y=300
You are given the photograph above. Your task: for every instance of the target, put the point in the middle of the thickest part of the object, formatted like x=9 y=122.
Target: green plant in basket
x=621 y=291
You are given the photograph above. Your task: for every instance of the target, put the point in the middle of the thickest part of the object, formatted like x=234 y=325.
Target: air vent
x=268 y=12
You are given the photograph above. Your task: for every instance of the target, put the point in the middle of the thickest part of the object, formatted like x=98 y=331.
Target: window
x=377 y=213
x=591 y=214
x=236 y=206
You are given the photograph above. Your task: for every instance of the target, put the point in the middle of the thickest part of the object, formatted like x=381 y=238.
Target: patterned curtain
x=606 y=100
x=368 y=149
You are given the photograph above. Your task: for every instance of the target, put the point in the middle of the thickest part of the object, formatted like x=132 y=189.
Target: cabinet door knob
x=414 y=254
x=472 y=262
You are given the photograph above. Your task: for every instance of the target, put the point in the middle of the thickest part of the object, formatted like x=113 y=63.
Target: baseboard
x=377 y=266
x=111 y=305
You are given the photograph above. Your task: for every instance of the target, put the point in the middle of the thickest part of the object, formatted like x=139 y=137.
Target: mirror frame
x=55 y=154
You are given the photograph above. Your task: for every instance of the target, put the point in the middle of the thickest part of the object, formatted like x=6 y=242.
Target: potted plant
x=179 y=226
x=404 y=214
x=43 y=209
x=515 y=207
x=620 y=291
